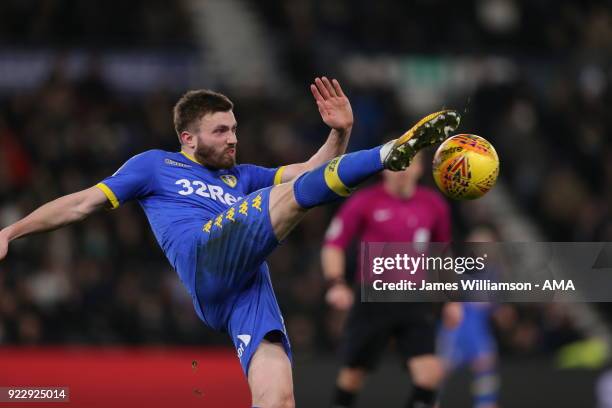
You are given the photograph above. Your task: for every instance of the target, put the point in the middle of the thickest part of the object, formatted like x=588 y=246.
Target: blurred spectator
x=105 y=281
x=95 y=22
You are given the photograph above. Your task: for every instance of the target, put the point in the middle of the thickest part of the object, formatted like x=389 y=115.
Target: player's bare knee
x=270 y=376
x=285 y=212
x=426 y=371
x=277 y=398
x=274 y=393
x=351 y=379
x=283 y=198
x=285 y=400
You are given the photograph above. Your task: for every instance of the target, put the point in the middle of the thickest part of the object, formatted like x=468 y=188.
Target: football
x=465 y=167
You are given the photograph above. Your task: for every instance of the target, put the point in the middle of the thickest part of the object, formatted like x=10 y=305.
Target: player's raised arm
x=55 y=214
x=336 y=112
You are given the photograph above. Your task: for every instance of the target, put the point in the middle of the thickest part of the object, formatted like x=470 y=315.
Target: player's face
x=216 y=140
x=481 y=234
x=403 y=182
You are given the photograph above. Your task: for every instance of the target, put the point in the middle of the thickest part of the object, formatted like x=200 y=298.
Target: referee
x=395 y=210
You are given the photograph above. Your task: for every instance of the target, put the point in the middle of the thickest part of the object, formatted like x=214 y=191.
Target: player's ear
x=187 y=139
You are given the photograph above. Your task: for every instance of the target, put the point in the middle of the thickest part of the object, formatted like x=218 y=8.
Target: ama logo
x=244 y=339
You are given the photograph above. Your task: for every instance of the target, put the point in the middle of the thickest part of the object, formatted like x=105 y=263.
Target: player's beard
x=216 y=158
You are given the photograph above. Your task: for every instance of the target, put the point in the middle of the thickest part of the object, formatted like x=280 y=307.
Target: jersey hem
x=112 y=198
x=278 y=176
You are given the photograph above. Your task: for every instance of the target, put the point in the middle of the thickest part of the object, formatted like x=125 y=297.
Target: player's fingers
x=322 y=108
x=315 y=92
x=322 y=89
x=337 y=87
x=329 y=87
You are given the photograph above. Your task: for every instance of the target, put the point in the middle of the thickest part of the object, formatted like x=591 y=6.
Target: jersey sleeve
x=132 y=181
x=261 y=177
x=346 y=224
x=442 y=227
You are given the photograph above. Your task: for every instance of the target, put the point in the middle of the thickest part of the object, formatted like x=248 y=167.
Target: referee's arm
x=333 y=260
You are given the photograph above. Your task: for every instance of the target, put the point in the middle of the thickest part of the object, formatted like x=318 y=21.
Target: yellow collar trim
x=190 y=157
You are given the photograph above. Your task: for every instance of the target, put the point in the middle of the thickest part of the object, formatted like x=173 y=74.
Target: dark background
x=86 y=85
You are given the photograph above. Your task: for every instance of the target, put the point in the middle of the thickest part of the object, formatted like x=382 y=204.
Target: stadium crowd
x=552 y=129
x=105 y=281
x=97 y=23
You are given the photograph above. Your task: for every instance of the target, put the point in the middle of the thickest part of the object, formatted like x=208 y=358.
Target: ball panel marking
x=465 y=167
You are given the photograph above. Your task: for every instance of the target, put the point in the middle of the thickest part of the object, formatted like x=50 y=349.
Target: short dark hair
x=195 y=104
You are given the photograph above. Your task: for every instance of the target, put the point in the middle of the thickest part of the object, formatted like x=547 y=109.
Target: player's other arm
x=135 y=179
x=336 y=112
x=55 y=214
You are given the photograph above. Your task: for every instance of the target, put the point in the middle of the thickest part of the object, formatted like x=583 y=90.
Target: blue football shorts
x=464 y=345
x=233 y=291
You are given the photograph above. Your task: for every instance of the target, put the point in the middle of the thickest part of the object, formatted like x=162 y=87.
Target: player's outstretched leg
x=341 y=175
x=338 y=177
x=430 y=130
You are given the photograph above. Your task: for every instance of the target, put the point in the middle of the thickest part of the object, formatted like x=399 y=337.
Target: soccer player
x=395 y=210
x=217 y=221
x=472 y=343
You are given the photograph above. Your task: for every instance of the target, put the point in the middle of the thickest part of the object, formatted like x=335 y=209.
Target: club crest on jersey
x=229 y=180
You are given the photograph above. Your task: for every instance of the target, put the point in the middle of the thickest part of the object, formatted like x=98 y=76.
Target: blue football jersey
x=472 y=339
x=179 y=195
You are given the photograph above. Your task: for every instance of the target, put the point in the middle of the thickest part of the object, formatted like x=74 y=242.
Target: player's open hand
x=334 y=106
x=340 y=296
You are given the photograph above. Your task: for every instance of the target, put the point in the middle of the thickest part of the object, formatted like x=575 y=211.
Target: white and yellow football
x=465 y=167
